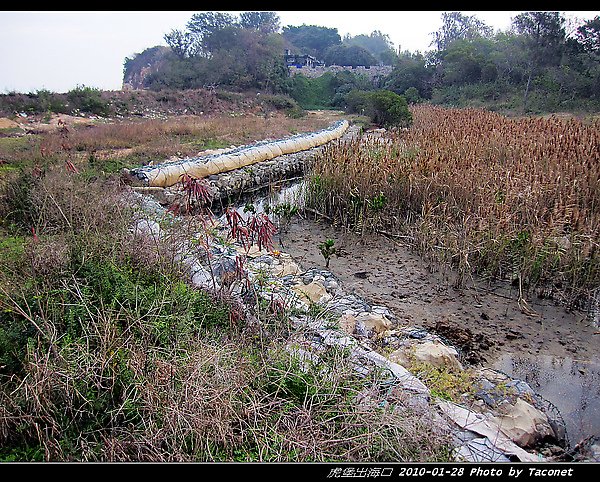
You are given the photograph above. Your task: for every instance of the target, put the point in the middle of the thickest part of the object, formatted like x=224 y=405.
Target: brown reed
x=514 y=198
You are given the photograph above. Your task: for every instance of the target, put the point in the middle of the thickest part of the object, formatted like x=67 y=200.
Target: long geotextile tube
x=168 y=174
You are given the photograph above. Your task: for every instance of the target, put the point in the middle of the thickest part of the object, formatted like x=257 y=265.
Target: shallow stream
x=573 y=386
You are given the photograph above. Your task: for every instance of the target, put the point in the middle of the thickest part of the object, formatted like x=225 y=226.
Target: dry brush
x=515 y=198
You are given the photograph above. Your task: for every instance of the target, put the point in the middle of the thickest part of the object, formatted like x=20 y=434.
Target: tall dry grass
x=131 y=142
x=223 y=127
x=514 y=198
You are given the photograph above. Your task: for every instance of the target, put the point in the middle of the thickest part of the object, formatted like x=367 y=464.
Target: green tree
x=183 y=44
x=205 y=25
x=412 y=96
x=266 y=22
x=377 y=43
x=464 y=62
x=352 y=55
x=311 y=39
x=588 y=35
x=456 y=26
x=177 y=73
x=410 y=70
x=543 y=39
x=220 y=49
x=509 y=57
x=345 y=82
x=357 y=101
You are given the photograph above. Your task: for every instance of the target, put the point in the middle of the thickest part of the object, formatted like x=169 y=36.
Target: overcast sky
x=58 y=50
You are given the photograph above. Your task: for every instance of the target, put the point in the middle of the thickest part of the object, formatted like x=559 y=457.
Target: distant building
x=299 y=61
x=311 y=67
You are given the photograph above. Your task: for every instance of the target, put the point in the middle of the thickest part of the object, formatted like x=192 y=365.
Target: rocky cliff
x=141 y=65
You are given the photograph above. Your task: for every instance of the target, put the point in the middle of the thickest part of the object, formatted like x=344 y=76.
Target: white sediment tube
x=168 y=174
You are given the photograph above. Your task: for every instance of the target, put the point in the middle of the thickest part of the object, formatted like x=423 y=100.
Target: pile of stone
x=169 y=173
x=501 y=421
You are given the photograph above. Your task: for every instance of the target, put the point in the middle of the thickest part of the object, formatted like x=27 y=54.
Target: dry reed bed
x=516 y=198
x=223 y=127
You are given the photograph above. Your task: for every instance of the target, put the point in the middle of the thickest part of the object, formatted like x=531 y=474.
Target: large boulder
x=347 y=322
x=479 y=424
x=438 y=355
x=372 y=324
x=285 y=266
x=524 y=424
x=312 y=292
x=401 y=356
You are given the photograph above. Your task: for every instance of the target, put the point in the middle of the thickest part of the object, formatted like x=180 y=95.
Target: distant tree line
x=244 y=52
x=541 y=63
x=81 y=99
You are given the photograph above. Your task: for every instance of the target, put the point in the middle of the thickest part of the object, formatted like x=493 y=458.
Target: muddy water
x=573 y=386
x=555 y=351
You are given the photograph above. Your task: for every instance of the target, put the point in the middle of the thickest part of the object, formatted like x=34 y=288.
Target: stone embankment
x=170 y=173
x=230 y=184
x=374 y=73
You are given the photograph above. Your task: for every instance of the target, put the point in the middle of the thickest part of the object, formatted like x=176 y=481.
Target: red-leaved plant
x=197 y=191
x=257 y=229
x=262 y=230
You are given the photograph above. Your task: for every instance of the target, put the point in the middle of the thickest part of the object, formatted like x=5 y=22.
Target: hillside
x=87 y=101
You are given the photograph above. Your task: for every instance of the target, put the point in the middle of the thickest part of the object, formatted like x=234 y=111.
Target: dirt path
x=483 y=320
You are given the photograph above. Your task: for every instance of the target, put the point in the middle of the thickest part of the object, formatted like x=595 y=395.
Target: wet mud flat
x=556 y=352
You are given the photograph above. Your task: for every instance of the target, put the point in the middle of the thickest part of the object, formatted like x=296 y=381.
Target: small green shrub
x=279 y=102
x=18 y=209
x=383 y=107
x=286 y=379
x=88 y=99
x=357 y=101
x=327 y=249
x=388 y=109
x=51 y=102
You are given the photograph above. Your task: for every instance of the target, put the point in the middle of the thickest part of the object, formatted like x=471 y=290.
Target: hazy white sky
x=58 y=50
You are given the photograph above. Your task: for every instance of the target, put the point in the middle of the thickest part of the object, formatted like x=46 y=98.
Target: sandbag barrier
x=169 y=174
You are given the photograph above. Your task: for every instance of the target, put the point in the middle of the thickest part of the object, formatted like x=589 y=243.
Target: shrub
x=388 y=109
x=285 y=103
x=51 y=102
x=412 y=95
x=279 y=102
x=89 y=317
x=357 y=101
x=384 y=107
x=88 y=99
